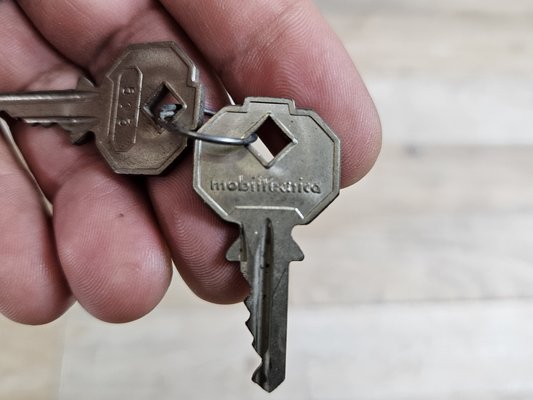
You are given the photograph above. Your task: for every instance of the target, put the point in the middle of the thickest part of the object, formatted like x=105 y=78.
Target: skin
x=111 y=239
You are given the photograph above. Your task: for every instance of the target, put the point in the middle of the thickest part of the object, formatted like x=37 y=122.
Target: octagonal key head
x=294 y=166
x=143 y=79
x=123 y=112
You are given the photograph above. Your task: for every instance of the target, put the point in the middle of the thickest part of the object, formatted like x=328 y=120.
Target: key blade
x=267 y=250
x=45 y=103
x=70 y=109
x=234 y=252
x=269 y=285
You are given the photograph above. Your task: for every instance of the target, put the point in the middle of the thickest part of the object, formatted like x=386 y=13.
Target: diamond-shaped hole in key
x=163 y=105
x=270 y=143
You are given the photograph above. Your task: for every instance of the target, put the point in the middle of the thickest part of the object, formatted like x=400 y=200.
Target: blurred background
x=417 y=282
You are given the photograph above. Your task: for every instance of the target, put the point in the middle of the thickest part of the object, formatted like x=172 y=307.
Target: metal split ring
x=167 y=111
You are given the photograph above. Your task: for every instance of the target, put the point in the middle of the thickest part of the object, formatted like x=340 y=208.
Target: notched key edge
x=265 y=259
x=47 y=108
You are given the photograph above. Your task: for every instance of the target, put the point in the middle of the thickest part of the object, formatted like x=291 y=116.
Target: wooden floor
x=417 y=282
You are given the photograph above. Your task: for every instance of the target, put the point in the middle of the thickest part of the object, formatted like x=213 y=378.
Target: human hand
x=107 y=243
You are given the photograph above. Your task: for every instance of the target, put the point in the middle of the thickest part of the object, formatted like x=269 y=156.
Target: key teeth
x=249 y=325
x=248 y=322
x=259 y=377
x=234 y=252
x=296 y=251
x=266 y=382
x=84 y=84
x=78 y=137
x=78 y=133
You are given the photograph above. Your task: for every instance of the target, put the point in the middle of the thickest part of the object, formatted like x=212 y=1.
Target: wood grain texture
x=417 y=282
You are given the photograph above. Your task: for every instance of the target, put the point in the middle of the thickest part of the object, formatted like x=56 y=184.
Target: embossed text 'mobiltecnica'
x=265 y=185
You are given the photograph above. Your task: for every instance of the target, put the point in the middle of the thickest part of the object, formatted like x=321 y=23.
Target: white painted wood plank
x=30 y=360
x=466 y=351
x=430 y=223
x=449 y=72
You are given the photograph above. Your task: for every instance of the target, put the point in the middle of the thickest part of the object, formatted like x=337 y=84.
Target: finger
x=278 y=49
x=361 y=119
x=110 y=248
x=197 y=238
x=284 y=48
x=32 y=287
x=93 y=34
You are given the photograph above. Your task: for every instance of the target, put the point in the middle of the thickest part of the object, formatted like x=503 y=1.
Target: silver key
x=123 y=112
x=268 y=193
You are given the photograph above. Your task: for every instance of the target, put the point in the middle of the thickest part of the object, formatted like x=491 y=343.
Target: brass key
x=123 y=112
x=267 y=192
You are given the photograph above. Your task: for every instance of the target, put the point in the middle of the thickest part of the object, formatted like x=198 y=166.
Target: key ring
x=167 y=111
